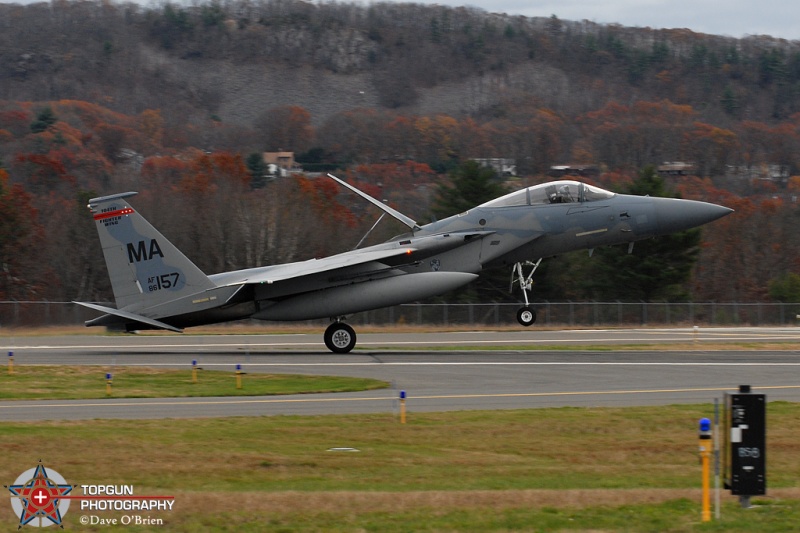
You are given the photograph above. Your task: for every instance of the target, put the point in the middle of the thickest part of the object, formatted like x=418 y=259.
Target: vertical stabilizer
x=145 y=268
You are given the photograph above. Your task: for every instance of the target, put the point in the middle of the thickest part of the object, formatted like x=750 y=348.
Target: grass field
x=567 y=469
x=84 y=382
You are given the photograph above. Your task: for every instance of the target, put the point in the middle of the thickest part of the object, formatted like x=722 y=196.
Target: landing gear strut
x=339 y=337
x=526 y=315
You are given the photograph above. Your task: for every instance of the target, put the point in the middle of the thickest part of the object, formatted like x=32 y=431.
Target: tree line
x=56 y=155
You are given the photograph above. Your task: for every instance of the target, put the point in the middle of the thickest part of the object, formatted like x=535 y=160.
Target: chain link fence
x=15 y=314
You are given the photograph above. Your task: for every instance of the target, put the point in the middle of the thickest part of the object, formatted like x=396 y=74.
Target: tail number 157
x=164 y=281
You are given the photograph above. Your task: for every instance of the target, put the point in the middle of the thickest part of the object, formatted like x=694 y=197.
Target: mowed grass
x=566 y=469
x=86 y=382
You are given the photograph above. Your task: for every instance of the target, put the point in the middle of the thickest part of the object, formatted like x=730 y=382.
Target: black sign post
x=745 y=452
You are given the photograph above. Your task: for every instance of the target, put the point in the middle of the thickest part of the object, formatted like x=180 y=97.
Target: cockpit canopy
x=554 y=192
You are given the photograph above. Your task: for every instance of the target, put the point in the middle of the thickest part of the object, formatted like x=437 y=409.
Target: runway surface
x=438 y=371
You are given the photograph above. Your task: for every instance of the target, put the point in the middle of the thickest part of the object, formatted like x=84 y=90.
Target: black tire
x=526 y=316
x=340 y=338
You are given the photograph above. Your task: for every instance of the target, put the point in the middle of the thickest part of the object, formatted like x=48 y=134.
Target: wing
x=388 y=255
x=343 y=262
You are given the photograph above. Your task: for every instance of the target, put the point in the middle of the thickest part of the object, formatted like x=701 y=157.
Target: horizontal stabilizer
x=130 y=316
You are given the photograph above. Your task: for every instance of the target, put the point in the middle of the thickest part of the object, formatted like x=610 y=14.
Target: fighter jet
x=157 y=287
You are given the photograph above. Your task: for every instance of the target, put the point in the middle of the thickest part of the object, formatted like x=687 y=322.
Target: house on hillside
x=280 y=164
x=504 y=166
x=559 y=171
x=765 y=171
x=676 y=168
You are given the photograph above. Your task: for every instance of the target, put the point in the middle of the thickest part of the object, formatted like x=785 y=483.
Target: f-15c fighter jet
x=156 y=286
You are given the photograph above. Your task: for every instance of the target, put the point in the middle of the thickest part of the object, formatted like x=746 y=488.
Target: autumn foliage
x=205 y=201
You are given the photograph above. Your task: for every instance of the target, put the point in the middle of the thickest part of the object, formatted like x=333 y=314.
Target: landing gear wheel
x=526 y=316
x=340 y=338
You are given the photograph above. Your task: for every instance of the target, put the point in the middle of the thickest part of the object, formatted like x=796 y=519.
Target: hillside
x=179 y=103
x=234 y=60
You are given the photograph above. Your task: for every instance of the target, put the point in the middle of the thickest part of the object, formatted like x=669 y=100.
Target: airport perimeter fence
x=17 y=314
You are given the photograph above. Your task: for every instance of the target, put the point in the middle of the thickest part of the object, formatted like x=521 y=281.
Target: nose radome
x=677 y=215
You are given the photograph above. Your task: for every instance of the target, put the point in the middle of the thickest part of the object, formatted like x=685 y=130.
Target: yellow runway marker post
x=238 y=376
x=705 y=455
x=402 y=407
x=194 y=370
x=108 y=383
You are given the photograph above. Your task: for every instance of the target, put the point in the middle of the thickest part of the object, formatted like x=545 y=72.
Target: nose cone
x=674 y=215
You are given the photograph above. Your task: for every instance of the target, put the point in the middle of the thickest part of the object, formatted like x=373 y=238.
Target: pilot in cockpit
x=561 y=196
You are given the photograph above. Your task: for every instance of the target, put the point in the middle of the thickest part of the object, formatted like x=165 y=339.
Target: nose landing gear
x=526 y=315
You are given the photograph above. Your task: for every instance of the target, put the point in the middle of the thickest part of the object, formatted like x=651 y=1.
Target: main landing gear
x=526 y=315
x=340 y=337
